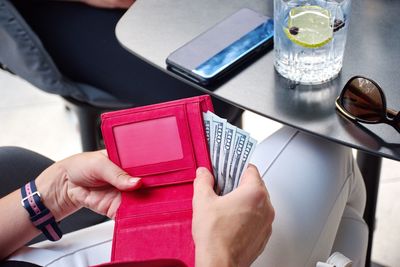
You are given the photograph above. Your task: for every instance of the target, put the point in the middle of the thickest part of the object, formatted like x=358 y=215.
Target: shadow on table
x=306 y=102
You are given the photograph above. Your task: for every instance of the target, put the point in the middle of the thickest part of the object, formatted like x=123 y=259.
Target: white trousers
x=317 y=192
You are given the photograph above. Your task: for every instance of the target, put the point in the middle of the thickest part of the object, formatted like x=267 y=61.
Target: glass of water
x=309 y=38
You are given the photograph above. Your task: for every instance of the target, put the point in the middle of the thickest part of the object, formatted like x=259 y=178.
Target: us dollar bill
x=227 y=151
x=244 y=160
x=218 y=129
x=207 y=127
x=240 y=142
x=230 y=150
x=209 y=116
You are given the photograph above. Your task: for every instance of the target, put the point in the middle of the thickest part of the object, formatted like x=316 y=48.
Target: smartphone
x=218 y=50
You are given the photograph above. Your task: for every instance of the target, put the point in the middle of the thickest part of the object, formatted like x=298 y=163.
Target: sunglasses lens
x=362 y=99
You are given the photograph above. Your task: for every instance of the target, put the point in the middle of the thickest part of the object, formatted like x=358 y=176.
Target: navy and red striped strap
x=41 y=217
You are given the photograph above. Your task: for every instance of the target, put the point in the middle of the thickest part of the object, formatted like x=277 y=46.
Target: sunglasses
x=363 y=100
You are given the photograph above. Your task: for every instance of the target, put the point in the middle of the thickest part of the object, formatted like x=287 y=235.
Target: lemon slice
x=309 y=26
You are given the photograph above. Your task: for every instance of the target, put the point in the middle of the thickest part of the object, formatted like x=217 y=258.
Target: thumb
x=251 y=176
x=203 y=184
x=112 y=174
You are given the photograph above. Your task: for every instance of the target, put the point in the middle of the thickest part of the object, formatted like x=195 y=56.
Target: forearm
x=17 y=228
x=209 y=256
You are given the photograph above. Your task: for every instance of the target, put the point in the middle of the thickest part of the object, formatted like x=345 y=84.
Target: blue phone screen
x=236 y=50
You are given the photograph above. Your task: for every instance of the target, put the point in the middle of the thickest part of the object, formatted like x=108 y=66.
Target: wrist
x=53 y=185
x=214 y=256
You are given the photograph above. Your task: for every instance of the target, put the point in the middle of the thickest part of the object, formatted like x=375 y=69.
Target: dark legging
x=81 y=40
x=18 y=166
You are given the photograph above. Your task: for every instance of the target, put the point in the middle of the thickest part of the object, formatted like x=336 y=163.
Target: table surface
x=152 y=29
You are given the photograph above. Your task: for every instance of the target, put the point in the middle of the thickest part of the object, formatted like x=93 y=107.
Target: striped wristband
x=41 y=217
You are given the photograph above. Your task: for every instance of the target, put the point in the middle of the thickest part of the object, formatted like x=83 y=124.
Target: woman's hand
x=124 y=4
x=84 y=180
x=231 y=230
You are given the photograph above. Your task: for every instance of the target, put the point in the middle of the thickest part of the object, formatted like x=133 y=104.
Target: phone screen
x=214 y=52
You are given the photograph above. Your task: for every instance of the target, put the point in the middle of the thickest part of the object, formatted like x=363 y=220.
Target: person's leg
x=352 y=235
x=312 y=183
x=18 y=166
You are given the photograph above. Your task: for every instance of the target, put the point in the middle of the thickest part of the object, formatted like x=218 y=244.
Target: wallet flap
x=162 y=143
x=152 y=142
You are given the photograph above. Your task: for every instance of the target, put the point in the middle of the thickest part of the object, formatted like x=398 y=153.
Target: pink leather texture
x=152 y=263
x=163 y=144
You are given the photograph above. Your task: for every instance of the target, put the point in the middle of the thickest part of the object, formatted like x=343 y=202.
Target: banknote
x=244 y=160
x=227 y=151
x=239 y=143
x=216 y=140
x=207 y=127
x=209 y=116
x=230 y=151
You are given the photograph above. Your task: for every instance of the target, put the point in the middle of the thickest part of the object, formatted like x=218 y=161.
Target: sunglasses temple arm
x=396 y=121
x=396 y=125
x=393 y=118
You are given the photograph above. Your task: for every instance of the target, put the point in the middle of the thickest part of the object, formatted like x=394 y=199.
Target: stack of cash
x=230 y=150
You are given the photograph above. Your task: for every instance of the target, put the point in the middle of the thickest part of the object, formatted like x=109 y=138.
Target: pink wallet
x=163 y=144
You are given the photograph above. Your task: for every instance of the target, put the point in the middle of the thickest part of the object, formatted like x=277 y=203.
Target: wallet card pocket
x=153 y=144
x=166 y=235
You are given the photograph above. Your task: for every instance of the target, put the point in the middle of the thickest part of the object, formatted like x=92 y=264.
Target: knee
x=19 y=165
x=14 y=155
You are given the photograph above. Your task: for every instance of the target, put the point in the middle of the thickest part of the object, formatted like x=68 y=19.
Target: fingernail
x=134 y=180
x=201 y=170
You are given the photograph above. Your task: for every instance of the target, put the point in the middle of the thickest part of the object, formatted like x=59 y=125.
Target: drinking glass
x=309 y=38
